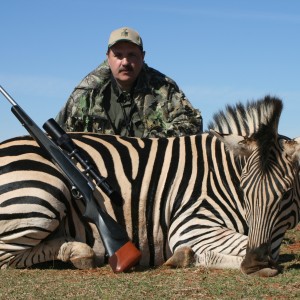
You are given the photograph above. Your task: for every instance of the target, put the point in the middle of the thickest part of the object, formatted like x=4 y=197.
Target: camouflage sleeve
x=70 y=117
x=174 y=115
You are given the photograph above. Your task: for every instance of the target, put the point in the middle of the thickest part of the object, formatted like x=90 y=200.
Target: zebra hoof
x=182 y=258
x=79 y=254
x=83 y=263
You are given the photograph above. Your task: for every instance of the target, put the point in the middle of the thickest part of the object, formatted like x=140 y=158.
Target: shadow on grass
x=54 y=265
x=284 y=258
x=287 y=257
x=60 y=265
x=294 y=266
x=290 y=258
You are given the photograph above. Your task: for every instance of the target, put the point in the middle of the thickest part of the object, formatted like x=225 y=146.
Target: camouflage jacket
x=159 y=108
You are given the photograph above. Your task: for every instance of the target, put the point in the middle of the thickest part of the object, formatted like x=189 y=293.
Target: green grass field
x=57 y=281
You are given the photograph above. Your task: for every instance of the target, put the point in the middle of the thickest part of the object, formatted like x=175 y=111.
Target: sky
x=219 y=52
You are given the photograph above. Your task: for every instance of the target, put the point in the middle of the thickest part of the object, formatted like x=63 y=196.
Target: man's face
x=126 y=61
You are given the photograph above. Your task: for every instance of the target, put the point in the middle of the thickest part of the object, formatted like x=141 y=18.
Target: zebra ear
x=238 y=144
x=291 y=148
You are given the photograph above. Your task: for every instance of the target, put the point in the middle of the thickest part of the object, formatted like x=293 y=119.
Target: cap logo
x=124 y=32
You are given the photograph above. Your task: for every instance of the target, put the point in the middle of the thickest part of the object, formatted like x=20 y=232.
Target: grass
x=55 y=282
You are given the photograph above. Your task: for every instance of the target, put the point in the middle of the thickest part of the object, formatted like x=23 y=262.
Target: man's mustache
x=128 y=68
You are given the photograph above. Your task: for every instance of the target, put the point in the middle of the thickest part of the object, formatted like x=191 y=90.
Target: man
x=124 y=96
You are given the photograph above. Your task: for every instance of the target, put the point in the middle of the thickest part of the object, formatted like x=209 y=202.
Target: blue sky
x=219 y=52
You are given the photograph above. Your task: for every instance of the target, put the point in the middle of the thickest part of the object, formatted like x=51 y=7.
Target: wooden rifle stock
x=121 y=251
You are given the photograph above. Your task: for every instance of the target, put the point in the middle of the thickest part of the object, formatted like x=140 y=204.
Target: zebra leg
x=186 y=257
x=79 y=254
x=26 y=244
x=211 y=259
x=56 y=246
x=214 y=246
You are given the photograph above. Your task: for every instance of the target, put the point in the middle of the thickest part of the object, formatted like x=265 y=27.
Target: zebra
x=220 y=199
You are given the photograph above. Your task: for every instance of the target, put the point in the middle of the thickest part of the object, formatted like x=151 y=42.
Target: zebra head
x=269 y=179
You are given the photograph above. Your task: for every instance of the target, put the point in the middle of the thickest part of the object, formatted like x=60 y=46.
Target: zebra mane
x=247 y=119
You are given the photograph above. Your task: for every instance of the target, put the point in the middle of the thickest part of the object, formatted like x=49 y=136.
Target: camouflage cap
x=125 y=34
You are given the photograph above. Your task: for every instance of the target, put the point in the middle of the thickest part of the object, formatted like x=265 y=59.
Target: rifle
x=121 y=251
